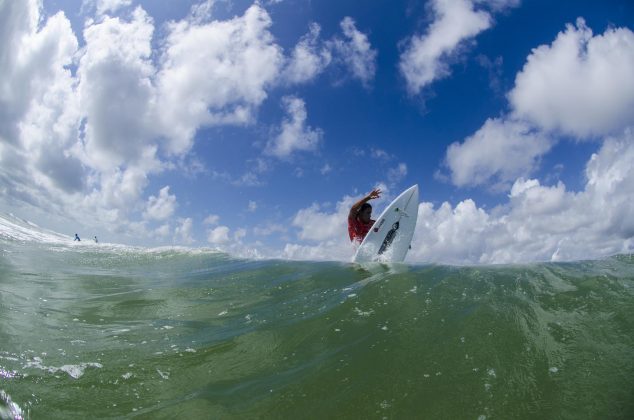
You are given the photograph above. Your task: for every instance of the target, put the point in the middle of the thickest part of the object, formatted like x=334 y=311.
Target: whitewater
x=104 y=330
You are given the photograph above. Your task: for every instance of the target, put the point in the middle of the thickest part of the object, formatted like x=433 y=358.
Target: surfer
x=360 y=217
x=77 y=238
x=96 y=240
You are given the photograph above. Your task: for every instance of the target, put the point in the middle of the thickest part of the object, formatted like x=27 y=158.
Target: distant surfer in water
x=77 y=238
x=360 y=217
x=96 y=240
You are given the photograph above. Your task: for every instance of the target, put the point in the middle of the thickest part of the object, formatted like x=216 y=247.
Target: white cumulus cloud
x=581 y=84
x=218 y=235
x=115 y=90
x=38 y=110
x=501 y=150
x=161 y=207
x=540 y=223
x=314 y=224
x=221 y=83
x=83 y=128
x=183 y=233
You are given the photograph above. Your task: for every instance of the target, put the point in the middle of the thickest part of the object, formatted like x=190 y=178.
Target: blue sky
x=252 y=127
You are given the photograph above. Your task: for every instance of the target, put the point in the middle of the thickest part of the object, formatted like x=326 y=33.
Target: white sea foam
x=9 y=409
x=164 y=375
x=363 y=313
x=7 y=374
x=74 y=371
x=14 y=228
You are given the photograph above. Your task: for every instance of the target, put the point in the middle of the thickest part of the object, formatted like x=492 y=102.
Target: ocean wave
x=16 y=230
x=114 y=332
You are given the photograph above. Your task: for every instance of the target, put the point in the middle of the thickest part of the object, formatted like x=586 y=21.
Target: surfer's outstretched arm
x=376 y=193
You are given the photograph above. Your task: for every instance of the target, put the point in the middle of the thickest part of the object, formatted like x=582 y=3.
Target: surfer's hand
x=375 y=194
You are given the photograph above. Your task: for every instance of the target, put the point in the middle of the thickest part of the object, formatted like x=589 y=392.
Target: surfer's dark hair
x=364 y=206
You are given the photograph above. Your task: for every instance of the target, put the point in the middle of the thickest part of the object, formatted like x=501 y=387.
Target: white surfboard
x=391 y=235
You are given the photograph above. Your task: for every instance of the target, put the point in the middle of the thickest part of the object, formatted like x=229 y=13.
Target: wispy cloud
x=294 y=134
x=355 y=52
x=427 y=57
x=309 y=58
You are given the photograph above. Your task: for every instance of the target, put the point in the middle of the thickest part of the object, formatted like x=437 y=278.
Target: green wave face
x=120 y=333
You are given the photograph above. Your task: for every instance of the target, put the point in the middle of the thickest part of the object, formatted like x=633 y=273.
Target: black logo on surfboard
x=388 y=238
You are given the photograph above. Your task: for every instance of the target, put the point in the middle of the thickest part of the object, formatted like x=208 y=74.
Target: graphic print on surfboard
x=388 y=238
x=391 y=235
